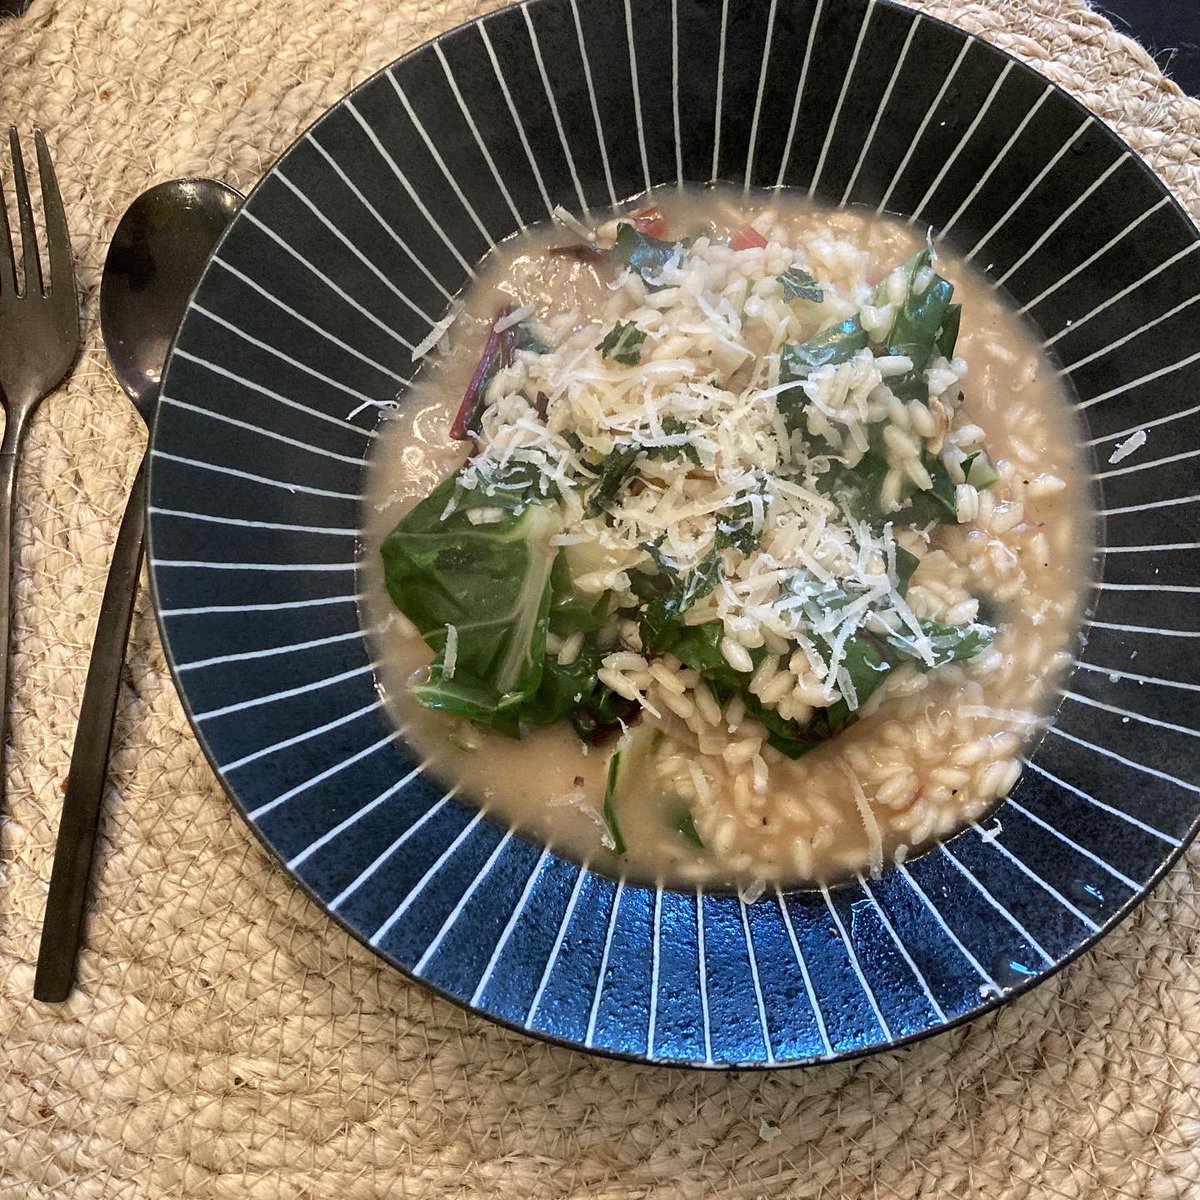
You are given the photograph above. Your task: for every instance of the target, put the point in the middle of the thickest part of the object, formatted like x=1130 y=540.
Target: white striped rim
x=1013 y=138
x=801 y=84
x=1066 y=213
x=961 y=144
x=608 y=937
x=262 y=810
x=487 y=154
x=702 y=970
x=554 y=113
x=1152 y=549
x=1030 y=188
x=1146 y=629
x=869 y=140
x=383 y=278
x=462 y=903
x=720 y=101
x=758 y=99
x=261 y=432
x=1172 y=502
x=675 y=93
x=1153 y=273
x=1129 y=714
x=1120 y=876
x=1175 y=416
x=868 y=13
x=252 y=478
x=935 y=912
x=758 y=995
x=205 y=610
x=591 y=89
x=637 y=93
x=385 y=225
x=1133 y=383
x=856 y=965
x=286 y=694
x=241 y=523
x=920 y=133
x=328 y=380
x=434 y=224
x=516 y=116
x=511 y=924
x=416 y=826
x=994 y=843
x=298 y=860
x=1121 y=341
x=1112 y=671
x=655 y=965
x=269 y=652
x=425 y=880
x=335 y=288
x=263 y=390
x=898 y=942
x=552 y=957
x=1020 y=929
x=1120 y=814
x=423 y=134
x=310 y=325
x=809 y=991
x=1093 y=257
x=299 y=738
x=247 y=566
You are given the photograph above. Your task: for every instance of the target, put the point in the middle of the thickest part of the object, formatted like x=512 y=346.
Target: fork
x=39 y=341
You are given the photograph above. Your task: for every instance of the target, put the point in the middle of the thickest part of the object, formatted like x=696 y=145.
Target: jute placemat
x=227 y=1040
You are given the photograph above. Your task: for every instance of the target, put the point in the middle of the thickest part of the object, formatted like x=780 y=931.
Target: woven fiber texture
x=227 y=1040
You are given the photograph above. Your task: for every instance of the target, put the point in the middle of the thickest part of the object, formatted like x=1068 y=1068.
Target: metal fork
x=39 y=341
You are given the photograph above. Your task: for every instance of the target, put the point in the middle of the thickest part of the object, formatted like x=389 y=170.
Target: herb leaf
x=644 y=254
x=671 y=426
x=623 y=342
x=798 y=284
x=667 y=596
x=615 y=465
x=610 y=796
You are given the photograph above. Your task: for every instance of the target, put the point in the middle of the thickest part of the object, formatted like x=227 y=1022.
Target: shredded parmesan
x=450 y=658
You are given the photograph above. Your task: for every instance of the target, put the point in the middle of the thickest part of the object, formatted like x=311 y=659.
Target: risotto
x=733 y=540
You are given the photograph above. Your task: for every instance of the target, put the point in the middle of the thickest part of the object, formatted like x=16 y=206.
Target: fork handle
x=63 y=922
x=14 y=429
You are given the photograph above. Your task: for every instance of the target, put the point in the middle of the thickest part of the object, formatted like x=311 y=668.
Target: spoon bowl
x=156 y=257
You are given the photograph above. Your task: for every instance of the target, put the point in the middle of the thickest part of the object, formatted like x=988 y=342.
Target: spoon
x=157 y=256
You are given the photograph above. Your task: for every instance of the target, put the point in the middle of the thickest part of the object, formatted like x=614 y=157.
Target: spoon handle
x=63 y=922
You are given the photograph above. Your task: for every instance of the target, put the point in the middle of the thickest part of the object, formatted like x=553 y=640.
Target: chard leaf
x=671 y=426
x=948 y=335
x=667 y=596
x=833 y=346
x=951 y=643
x=569 y=611
x=623 y=343
x=492 y=582
x=906 y=564
x=613 y=469
x=610 y=798
x=798 y=284
x=979 y=470
x=918 y=323
x=685 y=824
x=937 y=503
x=644 y=254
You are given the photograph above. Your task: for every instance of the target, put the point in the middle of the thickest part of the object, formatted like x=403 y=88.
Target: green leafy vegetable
x=613 y=469
x=798 y=284
x=685 y=824
x=667 y=596
x=833 y=346
x=918 y=324
x=979 y=470
x=948 y=336
x=671 y=427
x=936 y=503
x=644 y=254
x=491 y=582
x=623 y=342
x=610 y=807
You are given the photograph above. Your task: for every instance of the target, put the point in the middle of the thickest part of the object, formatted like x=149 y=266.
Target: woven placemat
x=226 y=1039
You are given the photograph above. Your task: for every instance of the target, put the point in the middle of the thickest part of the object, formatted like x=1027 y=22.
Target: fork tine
x=58 y=238
x=29 y=250
x=8 y=270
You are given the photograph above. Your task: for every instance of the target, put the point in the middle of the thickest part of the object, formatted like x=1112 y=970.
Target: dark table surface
x=1169 y=29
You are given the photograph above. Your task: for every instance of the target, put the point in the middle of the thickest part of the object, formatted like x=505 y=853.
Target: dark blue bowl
x=350 y=248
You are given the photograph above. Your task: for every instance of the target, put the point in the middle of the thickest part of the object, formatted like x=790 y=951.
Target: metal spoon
x=156 y=258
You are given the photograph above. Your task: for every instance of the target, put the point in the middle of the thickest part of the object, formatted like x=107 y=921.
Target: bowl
x=350 y=249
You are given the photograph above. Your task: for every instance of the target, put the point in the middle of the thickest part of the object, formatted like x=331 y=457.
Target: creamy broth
x=935 y=752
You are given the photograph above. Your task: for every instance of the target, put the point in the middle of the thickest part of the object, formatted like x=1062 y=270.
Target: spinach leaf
x=610 y=797
x=798 y=284
x=613 y=469
x=623 y=343
x=644 y=254
x=948 y=336
x=685 y=824
x=491 y=582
